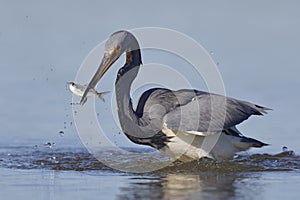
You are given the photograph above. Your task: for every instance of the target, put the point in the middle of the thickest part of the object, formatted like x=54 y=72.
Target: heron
x=176 y=122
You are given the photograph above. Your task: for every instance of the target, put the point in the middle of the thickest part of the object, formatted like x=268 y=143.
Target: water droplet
x=211 y=52
x=61 y=133
x=49 y=145
x=284 y=149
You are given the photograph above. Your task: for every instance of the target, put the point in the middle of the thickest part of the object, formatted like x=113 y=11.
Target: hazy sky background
x=43 y=43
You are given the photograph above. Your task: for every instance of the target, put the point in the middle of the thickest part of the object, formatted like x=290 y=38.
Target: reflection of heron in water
x=175 y=122
x=202 y=185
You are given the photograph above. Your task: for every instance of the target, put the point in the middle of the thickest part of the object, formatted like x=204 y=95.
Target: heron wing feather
x=208 y=112
x=195 y=111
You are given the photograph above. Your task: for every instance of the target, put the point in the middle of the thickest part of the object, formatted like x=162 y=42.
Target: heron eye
x=118 y=47
x=111 y=52
x=116 y=50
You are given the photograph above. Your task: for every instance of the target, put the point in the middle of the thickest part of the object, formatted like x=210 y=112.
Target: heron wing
x=195 y=111
x=208 y=113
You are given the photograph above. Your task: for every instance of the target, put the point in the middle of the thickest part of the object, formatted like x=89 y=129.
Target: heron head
x=118 y=43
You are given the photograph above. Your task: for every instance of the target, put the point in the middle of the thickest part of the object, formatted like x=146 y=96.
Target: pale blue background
x=43 y=43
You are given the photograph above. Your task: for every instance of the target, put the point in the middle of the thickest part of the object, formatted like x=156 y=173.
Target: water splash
x=81 y=160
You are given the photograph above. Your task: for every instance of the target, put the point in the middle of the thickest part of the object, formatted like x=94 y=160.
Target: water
x=73 y=173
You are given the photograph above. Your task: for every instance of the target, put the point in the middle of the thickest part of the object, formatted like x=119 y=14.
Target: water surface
x=73 y=173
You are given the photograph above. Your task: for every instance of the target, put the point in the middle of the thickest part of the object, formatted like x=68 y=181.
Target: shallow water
x=73 y=173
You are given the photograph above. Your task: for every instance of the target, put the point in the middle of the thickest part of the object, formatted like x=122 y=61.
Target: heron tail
x=242 y=142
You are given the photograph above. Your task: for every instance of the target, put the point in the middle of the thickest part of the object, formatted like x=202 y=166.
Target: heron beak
x=105 y=64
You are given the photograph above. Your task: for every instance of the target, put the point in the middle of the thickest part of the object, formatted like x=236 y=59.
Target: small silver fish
x=78 y=90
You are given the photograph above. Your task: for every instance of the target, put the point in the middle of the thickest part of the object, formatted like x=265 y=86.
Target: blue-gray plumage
x=175 y=122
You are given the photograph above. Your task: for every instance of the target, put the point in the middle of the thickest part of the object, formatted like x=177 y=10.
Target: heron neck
x=125 y=78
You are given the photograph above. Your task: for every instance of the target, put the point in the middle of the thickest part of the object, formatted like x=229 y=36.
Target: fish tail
x=100 y=95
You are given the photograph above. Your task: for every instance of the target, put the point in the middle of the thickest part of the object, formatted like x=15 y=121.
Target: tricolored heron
x=174 y=122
